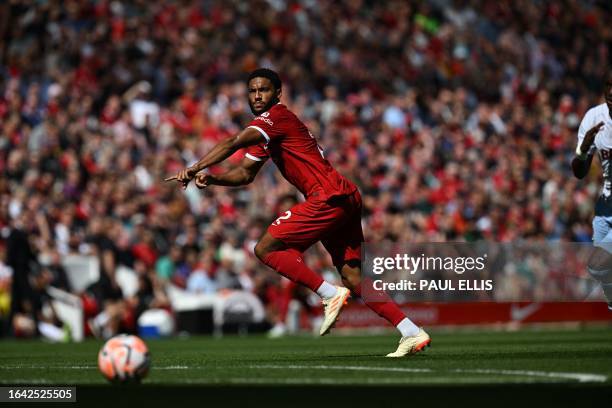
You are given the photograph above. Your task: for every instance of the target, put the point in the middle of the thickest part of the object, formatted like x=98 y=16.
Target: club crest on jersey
x=606 y=154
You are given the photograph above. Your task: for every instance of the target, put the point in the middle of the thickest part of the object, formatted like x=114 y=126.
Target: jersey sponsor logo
x=606 y=154
x=268 y=121
x=265 y=114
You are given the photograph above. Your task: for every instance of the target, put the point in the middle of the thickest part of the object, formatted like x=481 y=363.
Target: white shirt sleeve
x=585 y=125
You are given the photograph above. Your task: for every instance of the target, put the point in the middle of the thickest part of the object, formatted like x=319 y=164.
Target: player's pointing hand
x=184 y=176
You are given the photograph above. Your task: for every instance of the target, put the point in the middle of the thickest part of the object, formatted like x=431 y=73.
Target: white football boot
x=279 y=330
x=412 y=344
x=333 y=306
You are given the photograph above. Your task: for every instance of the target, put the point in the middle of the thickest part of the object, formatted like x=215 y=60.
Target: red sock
x=290 y=264
x=380 y=302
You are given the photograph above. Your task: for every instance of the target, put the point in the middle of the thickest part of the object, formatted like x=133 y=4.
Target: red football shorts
x=335 y=222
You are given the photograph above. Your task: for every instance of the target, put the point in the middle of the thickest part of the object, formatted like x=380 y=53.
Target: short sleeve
x=268 y=125
x=256 y=153
x=585 y=125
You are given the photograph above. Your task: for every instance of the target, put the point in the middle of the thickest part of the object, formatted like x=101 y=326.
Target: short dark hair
x=266 y=73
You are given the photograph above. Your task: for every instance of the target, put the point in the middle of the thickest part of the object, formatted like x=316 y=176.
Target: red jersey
x=297 y=155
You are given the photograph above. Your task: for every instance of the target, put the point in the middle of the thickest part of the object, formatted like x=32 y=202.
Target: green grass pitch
x=577 y=357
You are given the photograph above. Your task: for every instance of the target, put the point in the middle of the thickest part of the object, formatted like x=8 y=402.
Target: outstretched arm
x=220 y=152
x=238 y=176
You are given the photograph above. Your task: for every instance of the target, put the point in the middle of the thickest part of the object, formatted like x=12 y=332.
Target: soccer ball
x=124 y=359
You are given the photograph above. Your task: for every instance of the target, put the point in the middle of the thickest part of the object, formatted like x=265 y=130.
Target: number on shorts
x=282 y=217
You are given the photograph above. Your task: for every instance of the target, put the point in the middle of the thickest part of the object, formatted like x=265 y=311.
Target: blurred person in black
x=20 y=257
x=106 y=292
x=59 y=276
x=32 y=311
x=150 y=293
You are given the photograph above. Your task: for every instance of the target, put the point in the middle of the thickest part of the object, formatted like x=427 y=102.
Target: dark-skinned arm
x=582 y=162
x=581 y=165
x=238 y=176
x=220 y=152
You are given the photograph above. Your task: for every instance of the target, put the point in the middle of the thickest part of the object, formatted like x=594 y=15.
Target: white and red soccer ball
x=124 y=359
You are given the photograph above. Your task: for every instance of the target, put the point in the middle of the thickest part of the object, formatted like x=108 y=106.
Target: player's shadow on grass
x=534 y=354
x=438 y=355
x=349 y=358
x=318 y=357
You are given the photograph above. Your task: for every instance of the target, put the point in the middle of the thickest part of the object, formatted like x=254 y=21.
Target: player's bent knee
x=268 y=244
x=260 y=251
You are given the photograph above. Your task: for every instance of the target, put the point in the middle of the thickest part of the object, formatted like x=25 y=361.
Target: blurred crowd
x=457 y=120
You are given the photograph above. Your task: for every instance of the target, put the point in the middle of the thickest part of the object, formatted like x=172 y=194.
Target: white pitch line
x=84 y=367
x=175 y=367
x=580 y=377
x=39 y=366
x=348 y=381
x=27 y=381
